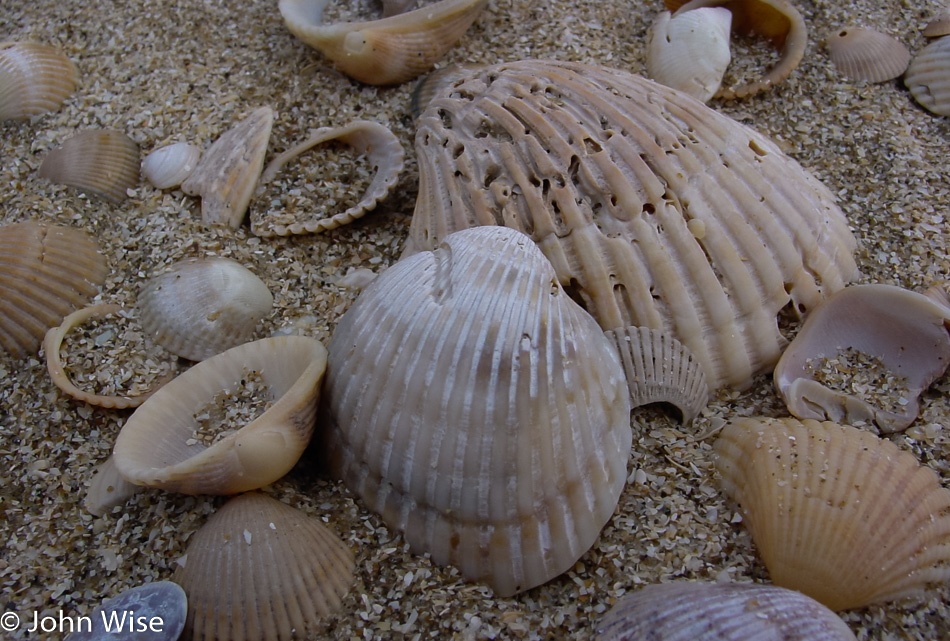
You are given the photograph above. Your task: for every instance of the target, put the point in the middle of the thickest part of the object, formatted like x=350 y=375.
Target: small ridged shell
x=654 y=209
x=228 y=171
x=939 y=25
x=388 y=51
x=260 y=570
x=383 y=151
x=158 y=447
x=171 y=165
x=34 y=78
x=866 y=54
x=46 y=272
x=835 y=512
x=928 y=77
x=99 y=161
x=691 y=51
x=155 y=611
x=691 y=611
x=479 y=410
x=201 y=307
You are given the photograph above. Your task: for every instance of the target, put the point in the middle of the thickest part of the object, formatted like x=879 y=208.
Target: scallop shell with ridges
x=158 y=445
x=46 y=272
x=655 y=210
x=35 y=78
x=262 y=570
x=694 y=611
x=171 y=165
x=867 y=54
x=479 y=410
x=836 y=512
x=928 y=77
x=691 y=51
x=103 y=162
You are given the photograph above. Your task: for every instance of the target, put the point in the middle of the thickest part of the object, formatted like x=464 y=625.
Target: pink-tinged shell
x=35 y=78
x=866 y=54
x=928 y=77
x=99 y=161
x=836 y=512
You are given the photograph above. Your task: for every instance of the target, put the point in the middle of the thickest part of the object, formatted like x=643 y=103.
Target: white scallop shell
x=928 y=77
x=171 y=165
x=690 y=51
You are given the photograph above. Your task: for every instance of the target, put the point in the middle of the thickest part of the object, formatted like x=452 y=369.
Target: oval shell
x=171 y=165
x=34 y=78
x=691 y=51
x=99 y=161
x=939 y=25
x=479 y=410
x=928 y=77
x=866 y=54
x=835 y=512
x=150 y=603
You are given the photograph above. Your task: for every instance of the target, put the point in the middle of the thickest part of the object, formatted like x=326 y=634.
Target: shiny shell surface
x=35 y=78
x=170 y=166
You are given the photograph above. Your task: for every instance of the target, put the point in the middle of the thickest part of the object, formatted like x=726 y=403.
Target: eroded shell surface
x=479 y=410
x=867 y=54
x=928 y=77
x=836 y=512
x=655 y=210
x=171 y=165
x=163 y=443
x=103 y=162
x=46 y=272
x=201 y=307
x=262 y=570
x=690 y=52
x=35 y=78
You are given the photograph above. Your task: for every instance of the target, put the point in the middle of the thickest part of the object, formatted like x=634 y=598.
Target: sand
x=188 y=70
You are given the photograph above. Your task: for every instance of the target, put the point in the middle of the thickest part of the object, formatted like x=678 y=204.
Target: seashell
x=383 y=151
x=108 y=489
x=835 y=512
x=693 y=611
x=939 y=25
x=158 y=446
x=907 y=331
x=436 y=82
x=928 y=77
x=690 y=52
x=660 y=369
x=34 y=78
x=46 y=272
x=389 y=51
x=866 y=54
x=201 y=307
x=171 y=165
x=227 y=173
x=655 y=210
x=99 y=161
x=260 y=569
x=498 y=437
x=777 y=20
x=160 y=607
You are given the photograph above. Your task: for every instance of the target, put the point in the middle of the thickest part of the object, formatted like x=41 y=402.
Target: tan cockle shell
x=939 y=25
x=388 y=51
x=928 y=77
x=836 y=512
x=171 y=165
x=866 y=54
x=690 y=52
x=99 y=161
x=655 y=210
x=479 y=410
x=262 y=570
x=158 y=446
x=34 y=78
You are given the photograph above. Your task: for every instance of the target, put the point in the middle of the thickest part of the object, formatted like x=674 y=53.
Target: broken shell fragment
x=381 y=148
x=388 y=51
x=228 y=171
x=691 y=51
x=159 y=607
x=35 y=78
x=906 y=331
x=108 y=489
x=171 y=165
x=99 y=161
x=260 y=569
x=928 y=77
x=836 y=512
x=161 y=444
x=866 y=54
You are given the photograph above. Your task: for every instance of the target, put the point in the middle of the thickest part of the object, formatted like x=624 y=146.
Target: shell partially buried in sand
x=35 y=78
x=102 y=162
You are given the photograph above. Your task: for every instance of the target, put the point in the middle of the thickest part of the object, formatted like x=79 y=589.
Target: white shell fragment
x=35 y=78
x=171 y=165
x=690 y=52
x=928 y=77
x=103 y=162
x=479 y=410
x=374 y=140
x=151 y=612
x=867 y=54
x=907 y=331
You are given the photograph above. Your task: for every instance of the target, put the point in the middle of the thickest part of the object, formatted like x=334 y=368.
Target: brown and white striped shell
x=35 y=78
x=655 y=210
x=928 y=77
x=479 y=410
x=103 y=162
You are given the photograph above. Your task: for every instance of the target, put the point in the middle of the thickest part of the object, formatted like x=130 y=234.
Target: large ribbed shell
x=46 y=272
x=835 y=512
x=479 y=410
x=34 y=78
x=928 y=77
x=654 y=209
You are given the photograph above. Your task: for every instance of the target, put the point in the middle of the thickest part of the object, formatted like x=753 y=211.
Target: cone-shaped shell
x=928 y=77
x=692 y=611
x=157 y=446
x=261 y=570
x=479 y=410
x=46 y=272
x=655 y=210
x=690 y=52
x=866 y=54
x=171 y=165
x=835 y=512
x=201 y=307
x=389 y=51
x=34 y=78
x=99 y=161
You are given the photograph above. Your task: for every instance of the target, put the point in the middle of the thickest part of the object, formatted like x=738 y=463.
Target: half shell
x=261 y=570
x=939 y=25
x=479 y=410
x=835 y=512
x=46 y=272
x=655 y=210
x=690 y=52
x=34 y=78
x=99 y=161
x=867 y=54
x=159 y=445
x=171 y=165
x=928 y=77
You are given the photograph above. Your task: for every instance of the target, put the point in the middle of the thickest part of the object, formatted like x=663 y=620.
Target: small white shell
x=34 y=78
x=690 y=51
x=171 y=165
x=928 y=77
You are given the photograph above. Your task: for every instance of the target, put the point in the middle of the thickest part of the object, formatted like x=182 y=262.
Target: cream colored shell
x=171 y=165
x=479 y=410
x=655 y=210
x=35 y=78
x=861 y=53
x=691 y=51
x=103 y=162
x=928 y=77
